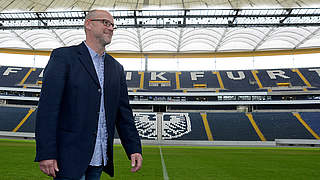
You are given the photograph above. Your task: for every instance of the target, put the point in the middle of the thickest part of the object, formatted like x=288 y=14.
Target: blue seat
x=280 y=125
x=231 y=126
x=10 y=117
x=313 y=120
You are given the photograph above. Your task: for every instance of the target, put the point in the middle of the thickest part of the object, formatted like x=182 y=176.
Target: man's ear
x=87 y=25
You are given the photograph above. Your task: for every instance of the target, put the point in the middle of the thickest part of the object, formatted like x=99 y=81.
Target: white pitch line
x=164 y=169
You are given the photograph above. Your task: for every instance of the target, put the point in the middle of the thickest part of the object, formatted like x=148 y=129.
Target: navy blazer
x=68 y=111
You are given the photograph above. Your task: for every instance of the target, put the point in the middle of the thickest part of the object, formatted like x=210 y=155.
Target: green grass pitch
x=218 y=163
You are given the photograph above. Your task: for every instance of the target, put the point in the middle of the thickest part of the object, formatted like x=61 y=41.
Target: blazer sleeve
x=125 y=123
x=54 y=80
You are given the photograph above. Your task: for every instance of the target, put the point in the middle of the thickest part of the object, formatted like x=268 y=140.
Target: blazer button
x=99 y=90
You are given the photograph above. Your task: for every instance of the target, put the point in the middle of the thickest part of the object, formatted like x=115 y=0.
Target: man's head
x=99 y=26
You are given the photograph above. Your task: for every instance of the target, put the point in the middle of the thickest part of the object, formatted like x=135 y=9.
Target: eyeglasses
x=105 y=22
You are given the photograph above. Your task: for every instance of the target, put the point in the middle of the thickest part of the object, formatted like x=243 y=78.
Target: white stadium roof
x=176 y=39
x=49 y=5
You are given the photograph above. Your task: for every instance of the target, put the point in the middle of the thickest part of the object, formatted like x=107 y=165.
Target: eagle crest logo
x=146 y=124
x=175 y=125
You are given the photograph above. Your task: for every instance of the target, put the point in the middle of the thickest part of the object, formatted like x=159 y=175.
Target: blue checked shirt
x=100 y=151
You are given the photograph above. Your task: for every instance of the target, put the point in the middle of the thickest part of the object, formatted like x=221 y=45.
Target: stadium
x=220 y=89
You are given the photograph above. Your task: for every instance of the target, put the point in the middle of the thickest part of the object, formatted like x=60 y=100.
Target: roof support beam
x=279 y=3
x=289 y=13
x=186 y=18
x=139 y=40
x=231 y=5
x=221 y=39
x=7 y=5
x=58 y=38
x=263 y=39
x=23 y=40
x=180 y=39
x=49 y=5
x=231 y=22
x=314 y=33
x=252 y=4
x=91 y=5
x=182 y=2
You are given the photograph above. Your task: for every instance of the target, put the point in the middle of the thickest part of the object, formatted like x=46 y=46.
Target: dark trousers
x=92 y=173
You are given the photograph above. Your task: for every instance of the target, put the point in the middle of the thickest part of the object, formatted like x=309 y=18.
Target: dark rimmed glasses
x=105 y=22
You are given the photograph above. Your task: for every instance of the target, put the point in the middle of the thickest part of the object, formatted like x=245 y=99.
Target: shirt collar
x=93 y=53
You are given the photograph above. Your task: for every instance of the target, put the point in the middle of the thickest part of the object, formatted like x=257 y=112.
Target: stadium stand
x=214 y=126
x=223 y=81
x=272 y=78
x=30 y=123
x=199 y=80
x=312 y=75
x=11 y=117
x=280 y=125
x=231 y=127
x=313 y=120
x=34 y=78
x=12 y=76
x=259 y=105
x=239 y=81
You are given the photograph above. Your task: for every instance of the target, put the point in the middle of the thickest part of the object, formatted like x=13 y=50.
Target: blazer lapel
x=107 y=73
x=86 y=61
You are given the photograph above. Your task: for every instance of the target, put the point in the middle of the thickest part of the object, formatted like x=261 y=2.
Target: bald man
x=83 y=99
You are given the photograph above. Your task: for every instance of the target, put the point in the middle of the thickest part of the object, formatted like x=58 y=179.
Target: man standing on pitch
x=83 y=98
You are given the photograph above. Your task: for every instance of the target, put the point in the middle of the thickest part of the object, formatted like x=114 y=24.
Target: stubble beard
x=105 y=41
